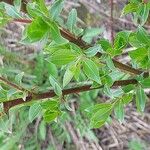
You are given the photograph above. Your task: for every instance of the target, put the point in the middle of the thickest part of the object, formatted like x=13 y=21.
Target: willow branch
x=9 y=104
x=78 y=41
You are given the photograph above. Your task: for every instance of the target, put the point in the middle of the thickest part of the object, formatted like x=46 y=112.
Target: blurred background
x=71 y=132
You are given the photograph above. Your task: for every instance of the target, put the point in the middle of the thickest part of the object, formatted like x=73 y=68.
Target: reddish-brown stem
x=50 y=94
x=78 y=41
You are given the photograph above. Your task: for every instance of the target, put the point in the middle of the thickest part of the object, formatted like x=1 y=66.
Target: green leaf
x=127 y=98
x=92 y=51
x=17 y=4
x=51 y=104
x=140 y=99
x=56 y=9
x=108 y=80
x=55 y=85
x=42 y=6
x=37 y=30
x=50 y=116
x=134 y=42
x=18 y=78
x=140 y=56
x=142 y=36
x=55 y=33
x=120 y=42
x=99 y=114
x=52 y=69
x=42 y=130
x=97 y=124
x=106 y=46
x=119 y=111
x=108 y=91
x=129 y=8
x=10 y=93
x=12 y=11
x=144 y=13
x=110 y=63
x=72 y=19
x=33 y=10
x=128 y=88
x=145 y=82
x=63 y=56
x=67 y=76
x=90 y=33
x=34 y=111
x=3 y=19
x=91 y=70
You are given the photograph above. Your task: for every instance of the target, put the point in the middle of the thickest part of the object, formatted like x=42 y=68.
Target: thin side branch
x=78 y=41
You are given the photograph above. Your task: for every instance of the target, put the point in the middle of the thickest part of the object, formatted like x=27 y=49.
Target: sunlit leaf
x=91 y=69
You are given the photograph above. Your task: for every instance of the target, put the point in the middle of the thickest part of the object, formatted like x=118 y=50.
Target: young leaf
x=72 y=18
x=130 y=8
x=120 y=42
x=67 y=77
x=12 y=11
x=140 y=56
x=51 y=104
x=92 y=51
x=33 y=10
x=110 y=63
x=91 y=70
x=37 y=30
x=34 y=111
x=55 y=33
x=119 y=111
x=146 y=82
x=63 y=56
x=128 y=88
x=55 y=85
x=127 y=98
x=106 y=46
x=42 y=6
x=144 y=13
x=100 y=114
x=52 y=69
x=56 y=9
x=140 y=99
x=142 y=36
x=50 y=116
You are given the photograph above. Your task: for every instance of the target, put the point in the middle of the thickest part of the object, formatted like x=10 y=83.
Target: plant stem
x=9 y=104
x=83 y=45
